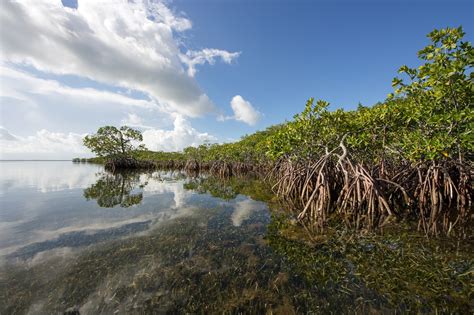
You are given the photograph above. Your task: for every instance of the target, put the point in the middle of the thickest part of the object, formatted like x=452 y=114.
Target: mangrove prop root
x=437 y=194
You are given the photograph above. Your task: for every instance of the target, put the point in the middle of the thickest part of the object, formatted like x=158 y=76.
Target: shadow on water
x=224 y=252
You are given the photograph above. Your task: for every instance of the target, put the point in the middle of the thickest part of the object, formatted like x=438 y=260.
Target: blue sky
x=344 y=52
x=202 y=70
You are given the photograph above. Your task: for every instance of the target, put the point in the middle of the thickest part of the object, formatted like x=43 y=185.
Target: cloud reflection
x=42 y=215
x=244 y=209
x=45 y=176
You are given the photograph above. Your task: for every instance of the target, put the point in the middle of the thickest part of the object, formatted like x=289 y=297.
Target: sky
x=185 y=72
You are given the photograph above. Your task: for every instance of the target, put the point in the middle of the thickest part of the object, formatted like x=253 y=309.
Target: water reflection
x=187 y=264
x=78 y=239
x=36 y=220
x=64 y=252
x=200 y=245
x=243 y=210
x=45 y=176
x=115 y=189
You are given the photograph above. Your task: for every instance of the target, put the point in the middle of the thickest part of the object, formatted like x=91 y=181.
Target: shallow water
x=67 y=230
x=76 y=239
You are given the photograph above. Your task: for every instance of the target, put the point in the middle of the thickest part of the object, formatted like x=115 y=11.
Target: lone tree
x=112 y=141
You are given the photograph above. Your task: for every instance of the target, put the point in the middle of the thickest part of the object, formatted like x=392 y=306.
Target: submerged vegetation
x=408 y=157
x=200 y=261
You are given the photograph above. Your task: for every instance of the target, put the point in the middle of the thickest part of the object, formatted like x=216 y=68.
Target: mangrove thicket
x=407 y=157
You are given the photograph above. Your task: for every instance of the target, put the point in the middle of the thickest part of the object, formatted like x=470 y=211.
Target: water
x=45 y=201
x=75 y=239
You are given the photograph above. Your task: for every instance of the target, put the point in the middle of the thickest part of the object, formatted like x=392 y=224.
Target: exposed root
x=439 y=195
x=127 y=163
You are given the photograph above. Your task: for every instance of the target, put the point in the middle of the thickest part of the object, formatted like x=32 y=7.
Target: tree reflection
x=115 y=189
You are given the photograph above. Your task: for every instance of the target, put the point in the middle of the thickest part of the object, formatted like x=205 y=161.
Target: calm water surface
x=77 y=240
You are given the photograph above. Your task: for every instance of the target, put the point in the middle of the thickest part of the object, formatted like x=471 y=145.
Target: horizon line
x=16 y=160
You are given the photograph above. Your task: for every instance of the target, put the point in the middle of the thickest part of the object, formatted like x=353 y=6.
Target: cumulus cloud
x=182 y=135
x=134 y=120
x=29 y=103
x=193 y=58
x=243 y=111
x=44 y=144
x=22 y=86
x=131 y=44
x=104 y=62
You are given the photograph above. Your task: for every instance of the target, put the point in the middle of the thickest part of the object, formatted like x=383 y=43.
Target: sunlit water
x=77 y=240
x=65 y=226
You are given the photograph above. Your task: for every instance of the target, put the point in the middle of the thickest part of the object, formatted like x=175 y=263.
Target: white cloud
x=44 y=144
x=29 y=104
x=157 y=186
x=127 y=56
x=134 y=120
x=182 y=135
x=243 y=111
x=193 y=58
x=131 y=44
x=22 y=86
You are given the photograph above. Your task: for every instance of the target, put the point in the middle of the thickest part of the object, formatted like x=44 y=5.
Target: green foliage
x=159 y=155
x=413 y=151
x=441 y=97
x=430 y=117
x=111 y=141
x=250 y=149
